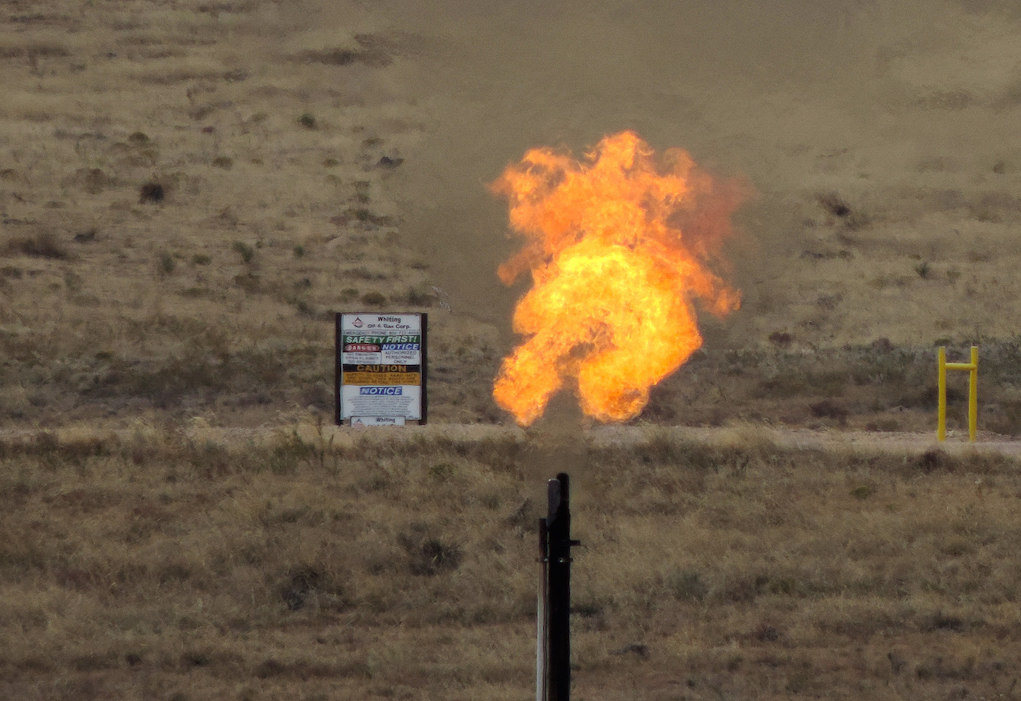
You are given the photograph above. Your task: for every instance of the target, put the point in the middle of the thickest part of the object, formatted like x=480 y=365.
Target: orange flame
x=617 y=251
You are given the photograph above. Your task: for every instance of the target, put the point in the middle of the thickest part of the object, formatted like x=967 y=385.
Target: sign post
x=380 y=369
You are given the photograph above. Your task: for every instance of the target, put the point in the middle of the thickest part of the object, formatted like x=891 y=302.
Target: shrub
x=246 y=252
x=833 y=204
x=165 y=264
x=428 y=555
x=687 y=585
x=374 y=299
x=783 y=339
x=151 y=192
x=418 y=298
x=42 y=245
x=828 y=409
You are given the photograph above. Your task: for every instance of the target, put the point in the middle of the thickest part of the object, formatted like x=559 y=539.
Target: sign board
x=380 y=368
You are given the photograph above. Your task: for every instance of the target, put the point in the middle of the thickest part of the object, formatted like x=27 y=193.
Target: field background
x=190 y=189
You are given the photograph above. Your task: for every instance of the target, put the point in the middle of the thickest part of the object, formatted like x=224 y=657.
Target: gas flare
x=618 y=246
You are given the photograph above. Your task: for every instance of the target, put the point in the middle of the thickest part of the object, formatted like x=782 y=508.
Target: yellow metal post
x=973 y=396
x=941 y=383
x=941 y=416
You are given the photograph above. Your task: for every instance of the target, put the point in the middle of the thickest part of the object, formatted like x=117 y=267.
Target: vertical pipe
x=941 y=382
x=973 y=395
x=542 y=619
x=559 y=589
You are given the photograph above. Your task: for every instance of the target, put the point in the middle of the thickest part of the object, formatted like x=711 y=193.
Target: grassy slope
x=158 y=562
x=267 y=131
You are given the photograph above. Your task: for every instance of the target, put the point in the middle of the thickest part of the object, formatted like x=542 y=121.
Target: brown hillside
x=190 y=189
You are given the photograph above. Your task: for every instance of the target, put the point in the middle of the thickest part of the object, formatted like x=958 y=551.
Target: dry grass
x=197 y=565
x=189 y=190
x=150 y=251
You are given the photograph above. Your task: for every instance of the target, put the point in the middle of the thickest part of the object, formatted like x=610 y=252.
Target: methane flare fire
x=618 y=246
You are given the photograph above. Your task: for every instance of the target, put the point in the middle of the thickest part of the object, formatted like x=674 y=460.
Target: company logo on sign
x=380 y=391
x=358 y=323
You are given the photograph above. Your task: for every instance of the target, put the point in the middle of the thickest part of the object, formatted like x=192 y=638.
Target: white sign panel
x=380 y=369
